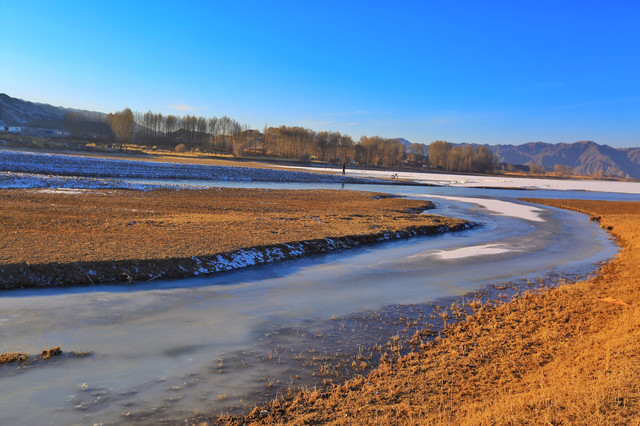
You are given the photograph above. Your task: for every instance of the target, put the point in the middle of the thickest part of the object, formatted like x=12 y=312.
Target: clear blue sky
x=463 y=71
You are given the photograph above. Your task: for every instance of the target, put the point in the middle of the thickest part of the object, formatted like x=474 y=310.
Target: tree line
x=461 y=158
x=227 y=136
x=216 y=134
x=334 y=147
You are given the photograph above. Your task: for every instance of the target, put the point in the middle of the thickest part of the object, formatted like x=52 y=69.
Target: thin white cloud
x=183 y=107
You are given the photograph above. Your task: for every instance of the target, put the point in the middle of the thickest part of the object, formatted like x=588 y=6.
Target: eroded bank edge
x=85 y=273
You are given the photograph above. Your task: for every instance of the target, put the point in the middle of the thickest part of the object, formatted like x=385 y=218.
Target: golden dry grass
x=51 y=352
x=41 y=227
x=24 y=358
x=9 y=357
x=568 y=355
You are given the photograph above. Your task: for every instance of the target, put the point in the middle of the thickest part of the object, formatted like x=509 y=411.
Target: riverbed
x=171 y=349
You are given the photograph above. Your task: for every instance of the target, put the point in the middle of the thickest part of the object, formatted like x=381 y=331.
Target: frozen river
x=170 y=349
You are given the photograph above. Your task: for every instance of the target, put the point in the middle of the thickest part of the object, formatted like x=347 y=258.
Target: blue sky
x=463 y=71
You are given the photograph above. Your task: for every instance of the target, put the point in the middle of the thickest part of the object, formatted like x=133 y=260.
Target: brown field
x=38 y=226
x=564 y=355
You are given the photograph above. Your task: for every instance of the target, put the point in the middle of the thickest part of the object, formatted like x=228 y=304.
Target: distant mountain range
x=16 y=112
x=585 y=157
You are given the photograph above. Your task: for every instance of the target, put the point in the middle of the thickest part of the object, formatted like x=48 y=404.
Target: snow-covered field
x=20 y=169
x=29 y=169
x=11 y=180
x=471 y=181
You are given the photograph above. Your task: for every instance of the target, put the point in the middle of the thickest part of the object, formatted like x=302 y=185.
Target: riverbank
x=563 y=355
x=61 y=237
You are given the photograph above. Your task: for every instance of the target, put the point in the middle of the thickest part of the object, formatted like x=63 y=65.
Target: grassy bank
x=563 y=355
x=72 y=237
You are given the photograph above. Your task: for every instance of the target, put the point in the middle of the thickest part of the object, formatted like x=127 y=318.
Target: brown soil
x=563 y=355
x=47 y=232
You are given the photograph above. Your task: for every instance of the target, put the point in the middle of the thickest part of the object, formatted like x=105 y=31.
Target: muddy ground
x=75 y=237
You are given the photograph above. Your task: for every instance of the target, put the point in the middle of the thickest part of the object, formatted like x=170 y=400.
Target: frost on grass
x=11 y=180
x=56 y=166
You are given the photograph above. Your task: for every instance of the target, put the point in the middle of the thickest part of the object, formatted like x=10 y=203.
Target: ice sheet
x=470 y=181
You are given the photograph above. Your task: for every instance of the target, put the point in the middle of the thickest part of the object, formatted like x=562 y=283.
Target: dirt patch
x=562 y=355
x=53 y=238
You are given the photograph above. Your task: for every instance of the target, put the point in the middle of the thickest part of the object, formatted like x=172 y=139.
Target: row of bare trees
x=226 y=135
x=168 y=131
x=301 y=143
x=333 y=147
x=461 y=158
x=217 y=134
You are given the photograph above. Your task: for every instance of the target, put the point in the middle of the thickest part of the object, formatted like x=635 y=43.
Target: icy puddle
x=166 y=350
x=472 y=251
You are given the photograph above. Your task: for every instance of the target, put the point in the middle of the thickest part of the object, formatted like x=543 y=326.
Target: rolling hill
x=16 y=112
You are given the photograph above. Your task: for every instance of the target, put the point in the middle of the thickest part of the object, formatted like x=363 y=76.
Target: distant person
x=344 y=167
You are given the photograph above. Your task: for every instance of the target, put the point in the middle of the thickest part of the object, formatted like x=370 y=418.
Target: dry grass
x=564 y=355
x=41 y=227
x=51 y=352
x=24 y=358
x=9 y=357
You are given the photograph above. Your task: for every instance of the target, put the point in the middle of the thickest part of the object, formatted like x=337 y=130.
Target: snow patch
x=64 y=191
x=471 y=181
x=472 y=251
x=504 y=208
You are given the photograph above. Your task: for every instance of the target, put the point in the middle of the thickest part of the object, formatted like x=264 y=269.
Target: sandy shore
x=562 y=355
x=83 y=237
